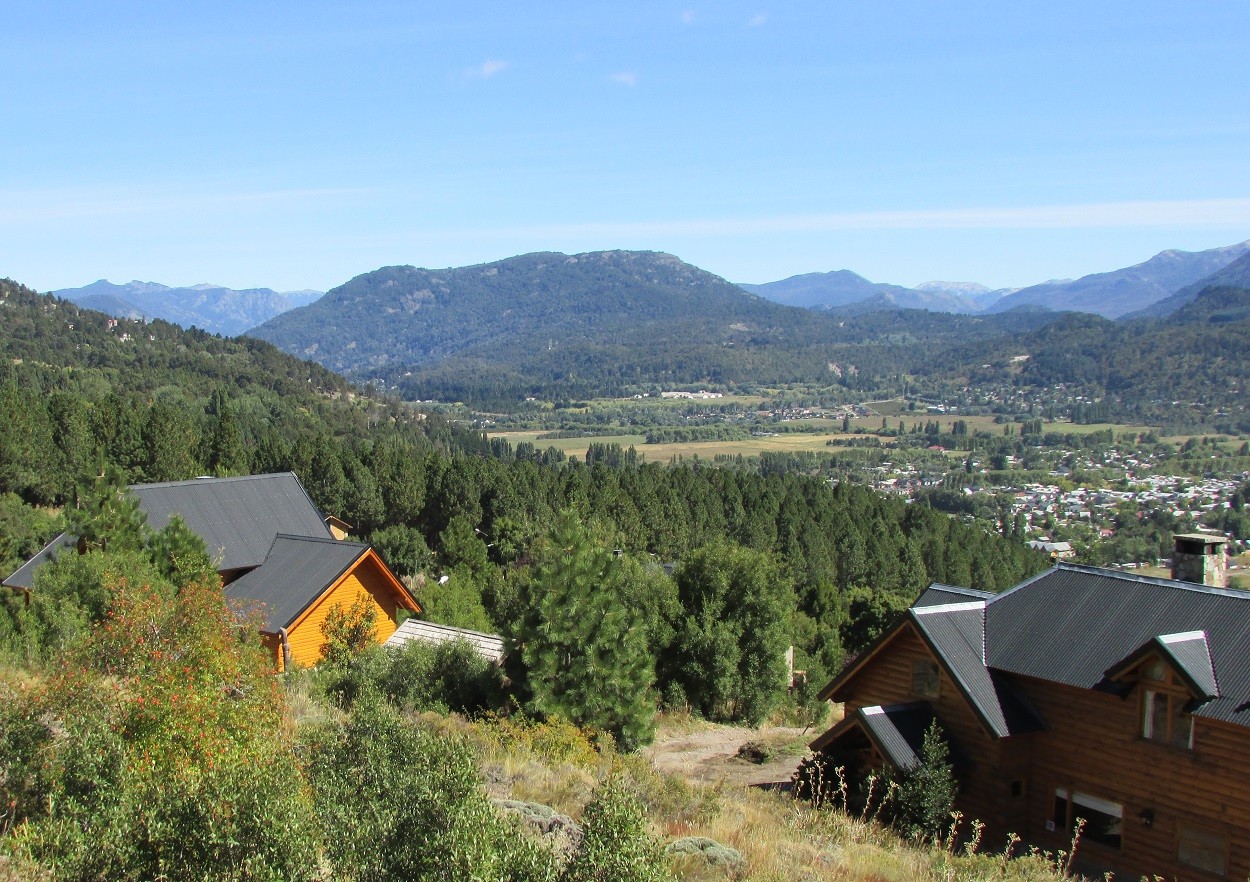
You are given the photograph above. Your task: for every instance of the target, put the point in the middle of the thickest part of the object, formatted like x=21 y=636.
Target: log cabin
x=1082 y=693
x=278 y=557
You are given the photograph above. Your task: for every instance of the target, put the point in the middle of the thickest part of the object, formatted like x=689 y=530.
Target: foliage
x=397 y=802
x=154 y=749
x=921 y=807
x=23 y=531
x=583 y=644
x=729 y=654
x=418 y=677
x=348 y=631
x=615 y=846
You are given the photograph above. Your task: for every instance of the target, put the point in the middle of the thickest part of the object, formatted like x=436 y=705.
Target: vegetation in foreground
x=156 y=746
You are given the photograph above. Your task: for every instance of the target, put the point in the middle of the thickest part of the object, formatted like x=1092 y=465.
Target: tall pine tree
x=584 y=644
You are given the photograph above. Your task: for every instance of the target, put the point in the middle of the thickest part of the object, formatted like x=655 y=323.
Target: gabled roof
x=297 y=571
x=1072 y=624
x=237 y=518
x=937 y=595
x=1187 y=653
x=956 y=634
x=488 y=646
x=896 y=731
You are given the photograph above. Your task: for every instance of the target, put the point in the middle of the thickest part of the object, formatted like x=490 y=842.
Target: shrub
x=615 y=846
x=720 y=856
x=397 y=802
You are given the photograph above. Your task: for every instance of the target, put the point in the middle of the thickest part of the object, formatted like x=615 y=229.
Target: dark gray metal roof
x=937 y=594
x=24 y=576
x=1072 y=624
x=295 y=573
x=237 y=518
x=897 y=730
x=1187 y=653
x=956 y=634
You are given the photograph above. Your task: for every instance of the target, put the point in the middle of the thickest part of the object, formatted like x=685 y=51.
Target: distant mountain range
x=1129 y=290
x=596 y=323
x=1110 y=294
x=850 y=293
x=1235 y=275
x=224 y=311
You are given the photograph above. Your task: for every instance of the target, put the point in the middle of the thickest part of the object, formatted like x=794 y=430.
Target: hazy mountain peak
x=210 y=307
x=1130 y=290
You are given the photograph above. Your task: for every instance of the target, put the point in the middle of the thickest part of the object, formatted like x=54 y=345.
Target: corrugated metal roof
x=237 y=518
x=936 y=595
x=297 y=570
x=956 y=634
x=488 y=646
x=1071 y=624
x=1191 y=656
x=897 y=730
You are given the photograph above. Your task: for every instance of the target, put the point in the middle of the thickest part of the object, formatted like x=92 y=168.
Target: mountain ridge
x=1118 y=293
x=213 y=308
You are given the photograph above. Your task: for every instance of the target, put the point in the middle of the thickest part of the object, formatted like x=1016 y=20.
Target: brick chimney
x=1199 y=558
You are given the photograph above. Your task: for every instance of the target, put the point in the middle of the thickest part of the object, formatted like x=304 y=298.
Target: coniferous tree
x=584 y=645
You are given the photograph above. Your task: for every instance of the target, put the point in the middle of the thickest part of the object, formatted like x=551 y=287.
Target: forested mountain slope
x=596 y=324
x=1145 y=370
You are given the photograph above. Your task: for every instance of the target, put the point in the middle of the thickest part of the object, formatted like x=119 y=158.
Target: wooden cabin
x=276 y=553
x=1081 y=693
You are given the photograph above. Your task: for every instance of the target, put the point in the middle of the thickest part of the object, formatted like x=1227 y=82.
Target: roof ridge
x=342 y=543
x=1178 y=584
x=206 y=479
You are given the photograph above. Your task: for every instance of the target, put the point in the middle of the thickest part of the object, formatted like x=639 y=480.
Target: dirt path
x=710 y=754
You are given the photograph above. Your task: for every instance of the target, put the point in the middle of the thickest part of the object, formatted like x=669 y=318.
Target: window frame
x=1071 y=812
x=1181 y=826
x=931 y=670
x=1174 y=696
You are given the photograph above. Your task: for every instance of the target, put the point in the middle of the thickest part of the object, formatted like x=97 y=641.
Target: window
x=1164 y=699
x=1202 y=849
x=924 y=678
x=1104 y=820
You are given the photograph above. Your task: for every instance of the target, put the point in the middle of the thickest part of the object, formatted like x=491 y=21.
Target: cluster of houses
x=1082 y=697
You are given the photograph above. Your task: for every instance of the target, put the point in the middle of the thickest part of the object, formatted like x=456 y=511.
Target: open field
x=787 y=442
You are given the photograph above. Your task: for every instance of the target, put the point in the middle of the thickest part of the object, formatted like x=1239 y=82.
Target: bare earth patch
x=710 y=755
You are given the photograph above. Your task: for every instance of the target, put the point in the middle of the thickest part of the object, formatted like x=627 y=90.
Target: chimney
x=1199 y=558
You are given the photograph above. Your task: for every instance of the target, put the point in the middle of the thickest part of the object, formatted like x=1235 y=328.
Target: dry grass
x=779 y=839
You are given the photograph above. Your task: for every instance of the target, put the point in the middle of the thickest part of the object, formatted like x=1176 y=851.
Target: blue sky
x=296 y=145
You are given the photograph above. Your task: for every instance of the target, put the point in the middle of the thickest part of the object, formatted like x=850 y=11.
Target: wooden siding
x=1093 y=745
x=886 y=679
x=305 y=637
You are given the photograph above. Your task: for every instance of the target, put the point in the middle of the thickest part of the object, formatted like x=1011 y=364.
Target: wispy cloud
x=758 y=20
x=1102 y=215
x=625 y=77
x=487 y=69
x=687 y=17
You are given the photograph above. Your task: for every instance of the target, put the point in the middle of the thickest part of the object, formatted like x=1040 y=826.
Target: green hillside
x=1190 y=365
x=597 y=324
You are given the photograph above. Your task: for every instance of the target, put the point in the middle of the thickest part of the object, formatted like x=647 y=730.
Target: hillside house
x=1080 y=693
x=278 y=556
